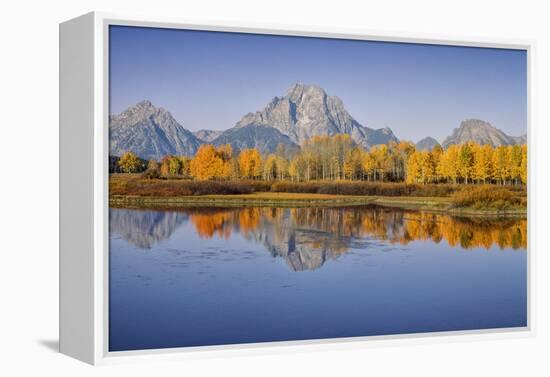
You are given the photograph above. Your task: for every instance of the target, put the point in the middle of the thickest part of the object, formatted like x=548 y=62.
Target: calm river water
x=210 y=276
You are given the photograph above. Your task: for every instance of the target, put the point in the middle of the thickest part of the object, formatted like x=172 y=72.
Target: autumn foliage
x=211 y=163
x=469 y=163
x=349 y=223
x=136 y=186
x=130 y=163
x=488 y=197
x=337 y=158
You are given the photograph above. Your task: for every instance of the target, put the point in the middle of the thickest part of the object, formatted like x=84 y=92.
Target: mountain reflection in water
x=144 y=228
x=306 y=237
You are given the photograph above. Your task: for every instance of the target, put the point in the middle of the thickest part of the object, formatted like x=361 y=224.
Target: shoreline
x=287 y=200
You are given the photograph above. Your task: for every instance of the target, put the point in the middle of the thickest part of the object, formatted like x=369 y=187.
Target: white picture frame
x=84 y=190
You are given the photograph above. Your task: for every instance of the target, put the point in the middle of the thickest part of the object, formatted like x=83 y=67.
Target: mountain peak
x=475 y=123
x=300 y=90
x=149 y=132
x=426 y=144
x=481 y=132
x=306 y=111
x=137 y=111
x=144 y=104
x=299 y=86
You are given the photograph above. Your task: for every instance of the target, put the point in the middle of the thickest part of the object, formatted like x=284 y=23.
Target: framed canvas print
x=225 y=187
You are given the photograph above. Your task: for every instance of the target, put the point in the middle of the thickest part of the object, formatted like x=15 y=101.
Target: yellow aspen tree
x=129 y=163
x=293 y=171
x=399 y=154
x=483 y=163
x=185 y=169
x=343 y=144
x=225 y=151
x=270 y=167
x=165 y=166
x=523 y=172
x=207 y=163
x=225 y=154
x=234 y=168
x=515 y=162
x=427 y=167
x=244 y=163
x=413 y=167
x=501 y=164
x=380 y=153
x=368 y=164
x=352 y=164
x=282 y=167
x=257 y=163
x=437 y=152
x=250 y=163
x=449 y=163
x=174 y=166
x=465 y=161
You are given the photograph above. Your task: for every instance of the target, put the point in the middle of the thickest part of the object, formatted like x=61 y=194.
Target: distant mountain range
x=150 y=132
x=207 y=136
x=482 y=133
x=305 y=111
x=426 y=144
x=263 y=137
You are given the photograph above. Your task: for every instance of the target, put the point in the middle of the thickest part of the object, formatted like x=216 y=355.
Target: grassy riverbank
x=281 y=199
x=274 y=199
x=130 y=191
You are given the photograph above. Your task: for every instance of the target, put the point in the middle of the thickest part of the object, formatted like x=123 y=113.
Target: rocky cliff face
x=307 y=111
x=426 y=144
x=265 y=138
x=207 y=136
x=149 y=132
x=519 y=139
x=480 y=132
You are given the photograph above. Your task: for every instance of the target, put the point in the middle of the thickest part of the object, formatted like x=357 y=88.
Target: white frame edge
x=76 y=196
x=84 y=328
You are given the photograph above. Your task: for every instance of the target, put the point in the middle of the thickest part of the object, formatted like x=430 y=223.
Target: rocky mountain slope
x=519 y=139
x=207 y=136
x=149 y=132
x=265 y=138
x=480 y=132
x=306 y=111
x=426 y=144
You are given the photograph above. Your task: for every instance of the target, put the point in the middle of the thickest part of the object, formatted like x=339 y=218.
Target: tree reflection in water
x=307 y=237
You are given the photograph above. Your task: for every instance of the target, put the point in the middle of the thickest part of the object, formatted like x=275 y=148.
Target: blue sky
x=211 y=79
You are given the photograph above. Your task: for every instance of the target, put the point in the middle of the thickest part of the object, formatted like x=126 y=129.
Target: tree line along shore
x=337 y=158
x=479 y=178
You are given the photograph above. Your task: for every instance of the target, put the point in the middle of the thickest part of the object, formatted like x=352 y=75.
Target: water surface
x=210 y=276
